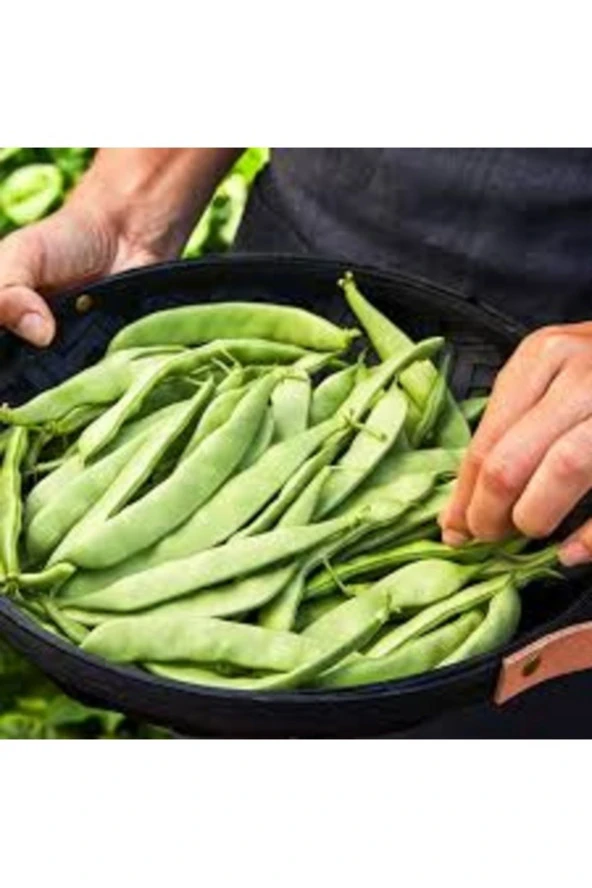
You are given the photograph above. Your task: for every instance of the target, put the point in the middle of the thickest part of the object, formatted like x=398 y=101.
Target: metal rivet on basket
x=531 y=665
x=84 y=303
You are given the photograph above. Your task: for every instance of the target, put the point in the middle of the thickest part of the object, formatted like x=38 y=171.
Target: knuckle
x=569 y=461
x=499 y=477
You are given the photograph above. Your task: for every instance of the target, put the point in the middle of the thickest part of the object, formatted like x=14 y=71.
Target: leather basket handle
x=559 y=653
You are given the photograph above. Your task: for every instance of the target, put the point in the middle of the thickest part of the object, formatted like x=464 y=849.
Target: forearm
x=154 y=195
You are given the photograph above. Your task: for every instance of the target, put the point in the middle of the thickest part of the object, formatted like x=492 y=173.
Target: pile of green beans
x=245 y=495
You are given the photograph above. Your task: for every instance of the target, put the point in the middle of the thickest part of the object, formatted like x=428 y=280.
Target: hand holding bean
x=530 y=461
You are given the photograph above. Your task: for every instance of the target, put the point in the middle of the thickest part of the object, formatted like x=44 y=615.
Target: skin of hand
x=135 y=206
x=530 y=460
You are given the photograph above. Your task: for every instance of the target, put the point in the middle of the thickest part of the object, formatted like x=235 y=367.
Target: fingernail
x=34 y=328
x=454 y=537
x=573 y=553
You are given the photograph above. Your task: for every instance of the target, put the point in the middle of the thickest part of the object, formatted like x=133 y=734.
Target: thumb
x=25 y=313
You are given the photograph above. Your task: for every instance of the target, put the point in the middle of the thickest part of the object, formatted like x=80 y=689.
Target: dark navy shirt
x=512 y=227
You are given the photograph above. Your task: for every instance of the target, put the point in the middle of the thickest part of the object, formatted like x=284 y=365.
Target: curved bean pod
x=10 y=501
x=290 y=404
x=414 y=657
x=194 y=324
x=418 y=379
x=167 y=505
x=177 y=638
x=369 y=446
x=328 y=397
x=233 y=506
x=174 y=579
x=496 y=630
x=433 y=616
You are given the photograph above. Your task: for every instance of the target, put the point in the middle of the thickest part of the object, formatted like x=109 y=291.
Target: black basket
x=482 y=341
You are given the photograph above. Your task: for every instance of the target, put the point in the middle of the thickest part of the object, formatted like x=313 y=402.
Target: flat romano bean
x=261 y=442
x=55 y=484
x=165 y=507
x=215 y=415
x=280 y=609
x=418 y=379
x=414 y=657
x=369 y=446
x=235 y=504
x=432 y=408
x=102 y=383
x=309 y=611
x=238 y=558
x=496 y=630
x=68 y=627
x=10 y=502
x=293 y=488
x=130 y=479
x=194 y=324
x=177 y=638
x=240 y=595
x=290 y=403
x=375 y=564
x=419 y=515
x=104 y=487
x=72 y=493
x=423 y=583
x=433 y=616
x=105 y=428
x=328 y=397
x=397 y=463
x=338 y=634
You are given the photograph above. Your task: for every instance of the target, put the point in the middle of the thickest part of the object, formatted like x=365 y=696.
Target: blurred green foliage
x=33 y=183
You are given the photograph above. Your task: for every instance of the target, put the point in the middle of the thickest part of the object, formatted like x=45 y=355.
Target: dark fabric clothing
x=512 y=227
x=509 y=227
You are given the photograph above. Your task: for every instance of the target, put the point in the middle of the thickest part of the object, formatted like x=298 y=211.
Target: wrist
x=151 y=198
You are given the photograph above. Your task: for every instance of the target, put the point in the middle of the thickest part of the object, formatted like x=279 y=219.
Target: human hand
x=77 y=244
x=530 y=460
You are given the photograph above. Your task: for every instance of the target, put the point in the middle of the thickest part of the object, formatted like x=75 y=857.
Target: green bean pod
x=261 y=442
x=145 y=379
x=329 y=396
x=195 y=324
x=369 y=446
x=10 y=502
x=232 y=507
x=102 y=383
x=416 y=517
x=397 y=463
x=170 y=503
x=419 y=378
x=422 y=583
x=337 y=634
x=496 y=630
x=280 y=609
x=176 y=638
x=173 y=579
x=433 y=407
x=292 y=489
x=377 y=563
x=215 y=415
x=290 y=405
x=416 y=656
x=107 y=485
x=436 y=614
